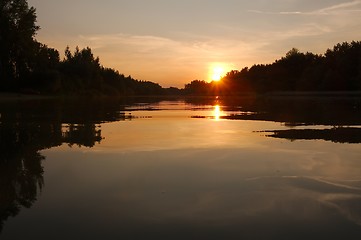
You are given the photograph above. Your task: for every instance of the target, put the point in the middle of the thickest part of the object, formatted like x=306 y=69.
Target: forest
x=30 y=67
x=339 y=69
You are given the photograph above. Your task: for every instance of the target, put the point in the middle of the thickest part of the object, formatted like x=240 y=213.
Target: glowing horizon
x=217 y=74
x=156 y=42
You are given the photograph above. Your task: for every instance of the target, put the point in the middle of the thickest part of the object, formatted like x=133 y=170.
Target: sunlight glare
x=217 y=112
x=217 y=73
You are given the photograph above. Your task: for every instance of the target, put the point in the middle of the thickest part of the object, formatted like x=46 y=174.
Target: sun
x=217 y=73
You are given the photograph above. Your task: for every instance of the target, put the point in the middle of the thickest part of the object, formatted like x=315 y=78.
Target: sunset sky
x=173 y=42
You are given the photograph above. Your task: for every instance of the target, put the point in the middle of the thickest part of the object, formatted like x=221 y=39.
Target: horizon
x=172 y=43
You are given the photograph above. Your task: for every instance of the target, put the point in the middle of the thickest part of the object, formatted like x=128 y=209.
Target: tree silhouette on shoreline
x=31 y=67
x=339 y=69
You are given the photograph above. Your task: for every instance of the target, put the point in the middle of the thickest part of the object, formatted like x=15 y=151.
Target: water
x=204 y=168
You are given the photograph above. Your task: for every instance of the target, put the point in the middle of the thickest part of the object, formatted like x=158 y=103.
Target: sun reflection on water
x=217 y=112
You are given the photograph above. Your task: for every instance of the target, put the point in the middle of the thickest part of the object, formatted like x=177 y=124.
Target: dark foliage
x=30 y=67
x=17 y=30
x=338 y=135
x=339 y=69
x=28 y=127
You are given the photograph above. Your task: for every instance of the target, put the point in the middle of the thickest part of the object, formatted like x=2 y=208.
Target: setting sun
x=217 y=73
x=217 y=70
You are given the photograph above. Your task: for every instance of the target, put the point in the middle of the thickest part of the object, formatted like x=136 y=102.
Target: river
x=195 y=168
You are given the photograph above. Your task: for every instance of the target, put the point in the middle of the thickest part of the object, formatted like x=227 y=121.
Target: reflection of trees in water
x=21 y=178
x=21 y=172
x=28 y=127
x=81 y=134
x=338 y=135
x=339 y=112
x=292 y=111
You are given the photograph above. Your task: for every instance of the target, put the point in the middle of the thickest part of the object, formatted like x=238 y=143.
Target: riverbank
x=4 y=97
x=313 y=94
x=16 y=97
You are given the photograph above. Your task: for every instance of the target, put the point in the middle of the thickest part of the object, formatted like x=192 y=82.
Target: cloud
x=178 y=56
x=313 y=30
x=339 y=8
x=187 y=57
x=348 y=7
x=174 y=61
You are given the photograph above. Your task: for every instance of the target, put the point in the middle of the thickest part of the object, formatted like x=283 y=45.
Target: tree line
x=29 y=66
x=339 y=69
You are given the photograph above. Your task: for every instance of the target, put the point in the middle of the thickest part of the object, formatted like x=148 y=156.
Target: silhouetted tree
x=17 y=30
x=343 y=67
x=197 y=87
x=338 y=69
x=45 y=76
x=81 y=70
x=32 y=67
x=83 y=74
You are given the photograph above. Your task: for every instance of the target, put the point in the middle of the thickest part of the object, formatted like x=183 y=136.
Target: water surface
x=246 y=168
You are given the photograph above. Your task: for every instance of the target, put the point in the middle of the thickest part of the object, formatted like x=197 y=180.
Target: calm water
x=269 y=168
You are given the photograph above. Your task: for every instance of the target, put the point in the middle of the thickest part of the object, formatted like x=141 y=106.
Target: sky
x=173 y=42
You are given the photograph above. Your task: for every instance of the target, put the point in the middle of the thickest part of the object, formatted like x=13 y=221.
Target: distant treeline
x=31 y=67
x=339 y=69
x=80 y=73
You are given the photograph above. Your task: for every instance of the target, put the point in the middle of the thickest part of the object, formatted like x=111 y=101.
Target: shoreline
x=8 y=97
x=5 y=97
x=315 y=93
